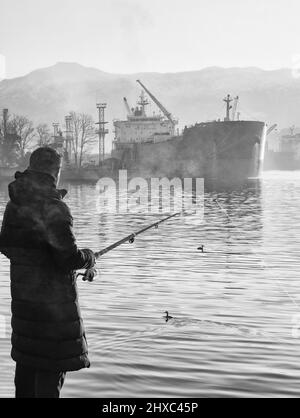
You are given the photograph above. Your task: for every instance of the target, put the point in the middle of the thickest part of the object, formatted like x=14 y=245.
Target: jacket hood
x=33 y=186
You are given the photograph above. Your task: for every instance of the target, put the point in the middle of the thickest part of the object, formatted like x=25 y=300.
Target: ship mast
x=228 y=100
x=143 y=102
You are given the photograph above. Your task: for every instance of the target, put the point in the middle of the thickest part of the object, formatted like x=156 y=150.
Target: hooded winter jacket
x=37 y=237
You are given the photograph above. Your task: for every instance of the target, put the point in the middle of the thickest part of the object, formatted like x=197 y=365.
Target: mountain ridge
x=213 y=67
x=48 y=94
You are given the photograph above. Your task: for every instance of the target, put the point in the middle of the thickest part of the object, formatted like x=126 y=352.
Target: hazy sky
x=125 y=36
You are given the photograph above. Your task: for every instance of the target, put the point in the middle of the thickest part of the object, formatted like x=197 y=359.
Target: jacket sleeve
x=62 y=242
x=4 y=236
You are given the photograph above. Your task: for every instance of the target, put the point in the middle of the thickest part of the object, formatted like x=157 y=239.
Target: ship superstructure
x=142 y=128
x=287 y=154
x=290 y=143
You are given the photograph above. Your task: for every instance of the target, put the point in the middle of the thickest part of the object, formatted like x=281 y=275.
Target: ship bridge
x=140 y=127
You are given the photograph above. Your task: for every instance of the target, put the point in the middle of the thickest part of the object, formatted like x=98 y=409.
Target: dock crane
x=167 y=114
x=271 y=129
x=129 y=112
x=228 y=100
x=292 y=130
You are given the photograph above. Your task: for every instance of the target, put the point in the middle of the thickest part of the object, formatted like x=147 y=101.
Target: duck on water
x=168 y=317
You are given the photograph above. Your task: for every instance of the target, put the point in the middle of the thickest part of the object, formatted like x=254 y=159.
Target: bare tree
x=23 y=127
x=9 y=144
x=84 y=135
x=43 y=134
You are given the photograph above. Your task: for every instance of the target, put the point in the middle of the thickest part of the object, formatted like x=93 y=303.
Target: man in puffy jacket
x=48 y=337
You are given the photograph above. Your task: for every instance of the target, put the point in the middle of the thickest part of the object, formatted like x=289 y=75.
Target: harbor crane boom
x=167 y=114
x=129 y=112
x=271 y=129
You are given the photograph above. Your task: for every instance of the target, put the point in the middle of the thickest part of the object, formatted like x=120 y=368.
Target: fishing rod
x=89 y=274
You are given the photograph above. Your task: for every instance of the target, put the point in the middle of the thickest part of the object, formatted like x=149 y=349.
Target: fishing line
x=221 y=207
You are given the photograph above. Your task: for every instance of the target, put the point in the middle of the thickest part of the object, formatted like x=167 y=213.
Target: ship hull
x=229 y=152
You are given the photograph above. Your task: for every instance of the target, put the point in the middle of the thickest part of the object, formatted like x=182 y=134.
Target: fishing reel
x=88 y=275
x=132 y=239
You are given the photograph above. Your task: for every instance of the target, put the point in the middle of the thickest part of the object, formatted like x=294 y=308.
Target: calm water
x=235 y=308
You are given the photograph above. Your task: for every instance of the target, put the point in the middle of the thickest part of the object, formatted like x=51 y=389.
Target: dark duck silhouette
x=201 y=248
x=168 y=317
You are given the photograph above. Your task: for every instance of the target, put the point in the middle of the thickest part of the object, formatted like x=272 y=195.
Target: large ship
x=225 y=151
x=287 y=154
